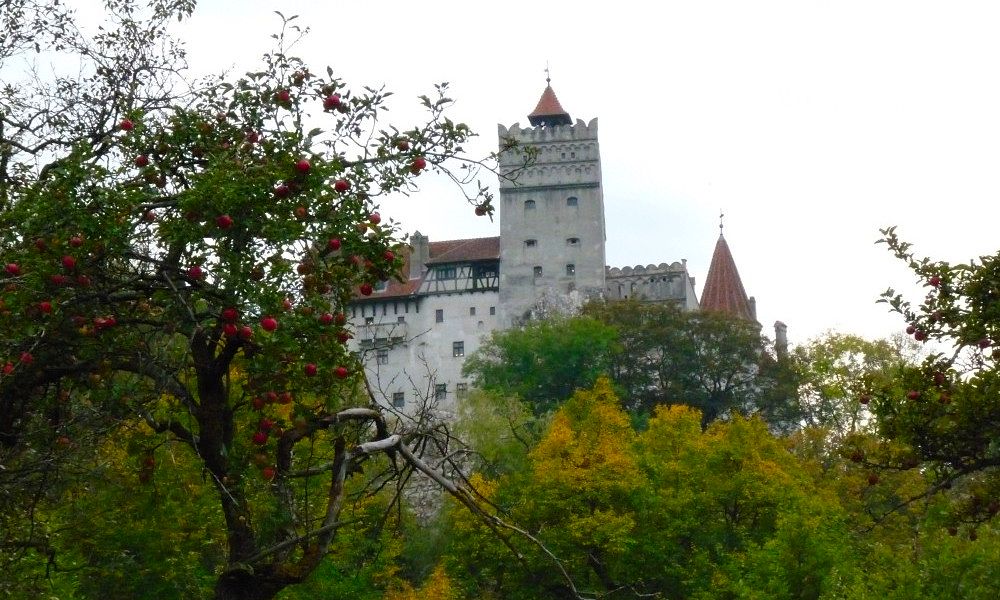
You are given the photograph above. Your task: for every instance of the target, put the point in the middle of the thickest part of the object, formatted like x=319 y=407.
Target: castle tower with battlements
x=551 y=211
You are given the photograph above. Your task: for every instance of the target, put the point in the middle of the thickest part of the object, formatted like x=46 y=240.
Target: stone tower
x=551 y=213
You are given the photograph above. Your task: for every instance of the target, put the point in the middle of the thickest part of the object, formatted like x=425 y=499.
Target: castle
x=413 y=334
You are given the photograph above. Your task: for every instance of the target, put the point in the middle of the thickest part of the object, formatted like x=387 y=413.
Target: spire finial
x=548 y=76
x=721 y=214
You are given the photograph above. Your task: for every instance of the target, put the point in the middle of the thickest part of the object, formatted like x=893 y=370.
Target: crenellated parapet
x=653 y=283
x=566 y=153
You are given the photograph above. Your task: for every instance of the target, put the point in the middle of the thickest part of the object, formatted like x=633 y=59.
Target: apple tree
x=179 y=255
x=946 y=410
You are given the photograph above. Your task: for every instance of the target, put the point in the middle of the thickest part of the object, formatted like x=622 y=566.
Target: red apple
x=985 y=343
x=224 y=221
x=389 y=256
x=260 y=438
x=375 y=218
x=267 y=473
x=83 y=281
x=142 y=161
x=229 y=330
x=340 y=318
x=341 y=372
x=341 y=185
x=325 y=319
x=269 y=323
x=246 y=332
x=286 y=304
x=258 y=403
x=913 y=394
x=935 y=281
x=343 y=336
x=195 y=272
x=910 y=329
x=252 y=137
x=76 y=241
x=27 y=358
x=417 y=165
x=301 y=212
x=230 y=314
x=59 y=279
x=40 y=244
x=920 y=335
x=333 y=244
x=403 y=145
x=303 y=166
x=45 y=306
x=126 y=125
x=13 y=269
x=480 y=210
x=332 y=101
x=365 y=289
x=266 y=424
x=68 y=262
x=310 y=370
x=282 y=190
x=286 y=398
x=283 y=97
x=149 y=216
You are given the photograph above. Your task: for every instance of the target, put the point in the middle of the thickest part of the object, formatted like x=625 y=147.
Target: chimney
x=419 y=255
x=780 y=339
x=752 y=302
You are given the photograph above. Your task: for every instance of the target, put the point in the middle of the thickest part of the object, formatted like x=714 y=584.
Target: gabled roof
x=548 y=111
x=445 y=251
x=723 y=287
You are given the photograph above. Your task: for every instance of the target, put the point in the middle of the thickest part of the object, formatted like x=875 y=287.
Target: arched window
x=530 y=243
x=571 y=201
x=529 y=205
x=573 y=241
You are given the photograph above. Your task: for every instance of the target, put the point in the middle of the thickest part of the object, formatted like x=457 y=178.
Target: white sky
x=811 y=124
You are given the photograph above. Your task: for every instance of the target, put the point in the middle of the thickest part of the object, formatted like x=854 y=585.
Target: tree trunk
x=242 y=584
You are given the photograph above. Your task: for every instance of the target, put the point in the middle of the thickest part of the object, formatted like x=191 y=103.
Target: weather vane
x=721 y=214
x=548 y=77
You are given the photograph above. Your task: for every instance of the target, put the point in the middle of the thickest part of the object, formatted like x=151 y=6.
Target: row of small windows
x=570 y=270
x=440 y=393
x=571 y=201
x=573 y=241
x=439 y=313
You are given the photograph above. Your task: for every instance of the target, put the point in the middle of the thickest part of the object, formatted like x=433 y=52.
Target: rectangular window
x=461 y=390
x=571 y=270
x=382 y=356
x=571 y=201
x=398 y=400
x=573 y=241
x=446 y=272
x=472 y=311
x=538 y=271
x=439 y=315
x=440 y=391
x=530 y=243
x=458 y=348
x=401 y=319
x=493 y=310
x=369 y=320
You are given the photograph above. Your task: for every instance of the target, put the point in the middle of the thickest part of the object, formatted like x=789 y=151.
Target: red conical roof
x=723 y=288
x=549 y=111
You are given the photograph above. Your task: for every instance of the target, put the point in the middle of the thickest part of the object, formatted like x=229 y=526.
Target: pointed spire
x=549 y=112
x=724 y=290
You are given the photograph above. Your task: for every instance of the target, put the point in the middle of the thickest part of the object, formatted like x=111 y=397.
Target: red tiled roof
x=548 y=105
x=444 y=251
x=464 y=250
x=723 y=290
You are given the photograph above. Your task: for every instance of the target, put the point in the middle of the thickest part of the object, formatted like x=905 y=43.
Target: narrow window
x=440 y=391
x=538 y=271
x=398 y=400
x=529 y=205
x=461 y=390
x=573 y=241
x=530 y=243
x=458 y=348
x=381 y=285
x=472 y=311
x=571 y=201
x=570 y=270
x=401 y=319
x=382 y=356
x=493 y=310
x=369 y=320
x=439 y=315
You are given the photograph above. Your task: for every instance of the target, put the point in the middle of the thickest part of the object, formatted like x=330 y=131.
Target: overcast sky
x=810 y=124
